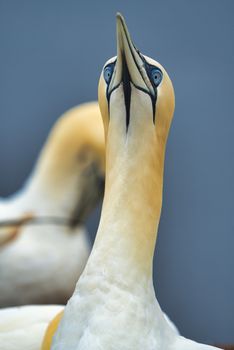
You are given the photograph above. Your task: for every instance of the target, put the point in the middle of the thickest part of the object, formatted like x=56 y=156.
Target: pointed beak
x=130 y=66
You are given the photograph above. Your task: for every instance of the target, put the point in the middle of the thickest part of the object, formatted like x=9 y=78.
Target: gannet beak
x=130 y=64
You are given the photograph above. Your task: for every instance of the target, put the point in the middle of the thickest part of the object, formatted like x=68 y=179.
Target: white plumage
x=22 y=328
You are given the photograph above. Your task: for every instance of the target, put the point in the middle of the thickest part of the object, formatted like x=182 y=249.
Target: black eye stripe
x=149 y=68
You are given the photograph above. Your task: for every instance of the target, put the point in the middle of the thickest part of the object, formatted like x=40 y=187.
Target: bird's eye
x=108 y=73
x=156 y=76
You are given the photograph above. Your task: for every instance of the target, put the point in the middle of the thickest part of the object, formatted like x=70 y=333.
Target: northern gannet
x=42 y=263
x=114 y=304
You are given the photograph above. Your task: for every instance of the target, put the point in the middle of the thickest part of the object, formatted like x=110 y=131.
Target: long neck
x=53 y=187
x=132 y=203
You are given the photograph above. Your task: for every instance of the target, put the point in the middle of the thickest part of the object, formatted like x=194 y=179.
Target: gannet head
x=68 y=179
x=137 y=86
x=73 y=160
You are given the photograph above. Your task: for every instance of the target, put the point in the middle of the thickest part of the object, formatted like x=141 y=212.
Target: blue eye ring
x=156 y=76
x=108 y=71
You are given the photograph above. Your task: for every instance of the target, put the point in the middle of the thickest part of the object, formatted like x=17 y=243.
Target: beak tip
x=118 y=15
x=120 y=18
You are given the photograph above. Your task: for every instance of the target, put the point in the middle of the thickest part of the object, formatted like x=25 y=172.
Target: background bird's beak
x=129 y=65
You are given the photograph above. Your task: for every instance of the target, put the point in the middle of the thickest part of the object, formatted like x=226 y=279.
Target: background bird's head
x=68 y=179
x=72 y=163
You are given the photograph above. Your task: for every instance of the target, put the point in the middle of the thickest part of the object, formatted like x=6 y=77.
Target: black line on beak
x=126 y=79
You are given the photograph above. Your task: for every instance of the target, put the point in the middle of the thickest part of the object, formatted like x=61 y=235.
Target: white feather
x=23 y=328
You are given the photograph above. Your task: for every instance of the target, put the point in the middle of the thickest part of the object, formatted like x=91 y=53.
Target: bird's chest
x=34 y=271
x=113 y=319
x=125 y=327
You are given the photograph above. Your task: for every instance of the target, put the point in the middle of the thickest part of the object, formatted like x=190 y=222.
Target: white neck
x=132 y=204
x=45 y=196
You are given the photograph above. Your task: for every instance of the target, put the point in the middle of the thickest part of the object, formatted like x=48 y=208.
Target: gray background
x=51 y=55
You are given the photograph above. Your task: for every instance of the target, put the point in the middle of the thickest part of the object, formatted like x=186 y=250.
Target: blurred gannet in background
x=114 y=304
x=40 y=262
